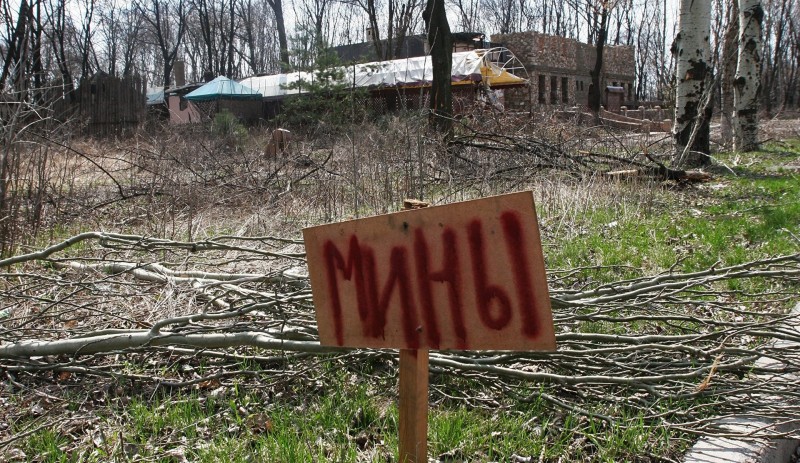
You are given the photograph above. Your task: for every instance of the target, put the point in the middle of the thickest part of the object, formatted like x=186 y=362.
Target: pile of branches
x=675 y=350
x=574 y=155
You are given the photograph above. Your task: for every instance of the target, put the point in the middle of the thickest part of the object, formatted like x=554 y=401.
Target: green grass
x=346 y=423
x=730 y=220
x=48 y=445
x=245 y=426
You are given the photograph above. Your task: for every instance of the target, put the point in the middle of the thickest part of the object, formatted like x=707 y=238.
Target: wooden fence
x=111 y=105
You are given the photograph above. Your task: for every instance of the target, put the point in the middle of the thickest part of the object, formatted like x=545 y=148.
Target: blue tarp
x=223 y=88
x=155 y=98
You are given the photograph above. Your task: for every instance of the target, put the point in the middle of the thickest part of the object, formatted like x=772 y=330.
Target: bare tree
x=791 y=74
x=313 y=27
x=120 y=29
x=22 y=55
x=131 y=39
x=13 y=56
x=59 y=27
x=648 y=40
x=111 y=29
x=83 y=42
x=441 y=98
x=779 y=54
x=313 y=18
x=257 y=49
x=664 y=62
x=167 y=23
x=599 y=33
x=747 y=85
x=620 y=23
x=547 y=15
x=401 y=19
x=283 y=41
x=469 y=14
x=213 y=36
x=504 y=14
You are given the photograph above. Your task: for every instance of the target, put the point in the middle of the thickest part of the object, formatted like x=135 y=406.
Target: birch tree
x=693 y=89
x=747 y=85
x=730 y=52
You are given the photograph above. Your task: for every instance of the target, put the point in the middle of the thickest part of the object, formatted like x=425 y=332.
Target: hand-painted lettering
x=517 y=255
x=450 y=275
x=486 y=293
x=398 y=276
x=353 y=268
x=463 y=281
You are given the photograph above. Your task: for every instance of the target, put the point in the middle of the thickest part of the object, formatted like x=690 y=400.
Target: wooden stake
x=413 y=406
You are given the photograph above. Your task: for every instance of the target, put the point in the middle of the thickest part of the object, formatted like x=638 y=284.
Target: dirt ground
x=781 y=128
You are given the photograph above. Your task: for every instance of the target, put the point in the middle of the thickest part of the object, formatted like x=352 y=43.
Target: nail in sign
x=463 y=276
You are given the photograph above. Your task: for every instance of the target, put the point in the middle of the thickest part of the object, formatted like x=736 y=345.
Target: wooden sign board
x=462 y=276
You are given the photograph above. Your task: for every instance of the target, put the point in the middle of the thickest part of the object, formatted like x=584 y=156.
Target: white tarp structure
x=468 y=67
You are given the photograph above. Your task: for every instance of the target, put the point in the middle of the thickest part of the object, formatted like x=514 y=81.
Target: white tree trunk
x=691 y=49
x=730 y=56
x=747 y=85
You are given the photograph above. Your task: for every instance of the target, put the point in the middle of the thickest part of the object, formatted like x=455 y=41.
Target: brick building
x=559 y=70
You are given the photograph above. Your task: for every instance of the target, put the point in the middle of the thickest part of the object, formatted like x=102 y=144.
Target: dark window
x=564 y=90
x=183 y=104
x=553 y=89
x=541 y=89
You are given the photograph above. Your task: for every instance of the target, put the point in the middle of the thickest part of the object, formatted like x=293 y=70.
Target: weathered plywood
x=462 y=276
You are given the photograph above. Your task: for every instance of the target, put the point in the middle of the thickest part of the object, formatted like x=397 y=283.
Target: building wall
x=559 y=68
x=244 y=110
x=182 y=111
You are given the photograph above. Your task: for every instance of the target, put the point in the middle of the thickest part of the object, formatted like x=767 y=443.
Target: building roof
x=412 y=46
x=182 y=90
x=222 y=87
x=468 y=67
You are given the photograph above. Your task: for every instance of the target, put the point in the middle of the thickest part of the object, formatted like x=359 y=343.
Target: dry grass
x=188 y=183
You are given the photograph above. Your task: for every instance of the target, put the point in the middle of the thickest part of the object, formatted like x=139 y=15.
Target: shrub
x=327 y=99
x=226 y=125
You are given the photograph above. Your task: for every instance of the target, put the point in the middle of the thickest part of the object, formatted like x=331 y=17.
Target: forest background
x=70 y=40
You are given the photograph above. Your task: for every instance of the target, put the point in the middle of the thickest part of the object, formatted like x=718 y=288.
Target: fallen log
x=661 y=173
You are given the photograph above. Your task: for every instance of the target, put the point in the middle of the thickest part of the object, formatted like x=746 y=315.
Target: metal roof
x=225 y=88
x=494 y=67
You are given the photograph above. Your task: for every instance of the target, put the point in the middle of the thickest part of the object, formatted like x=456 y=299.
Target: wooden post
x=413 y=387
x=413 y=405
